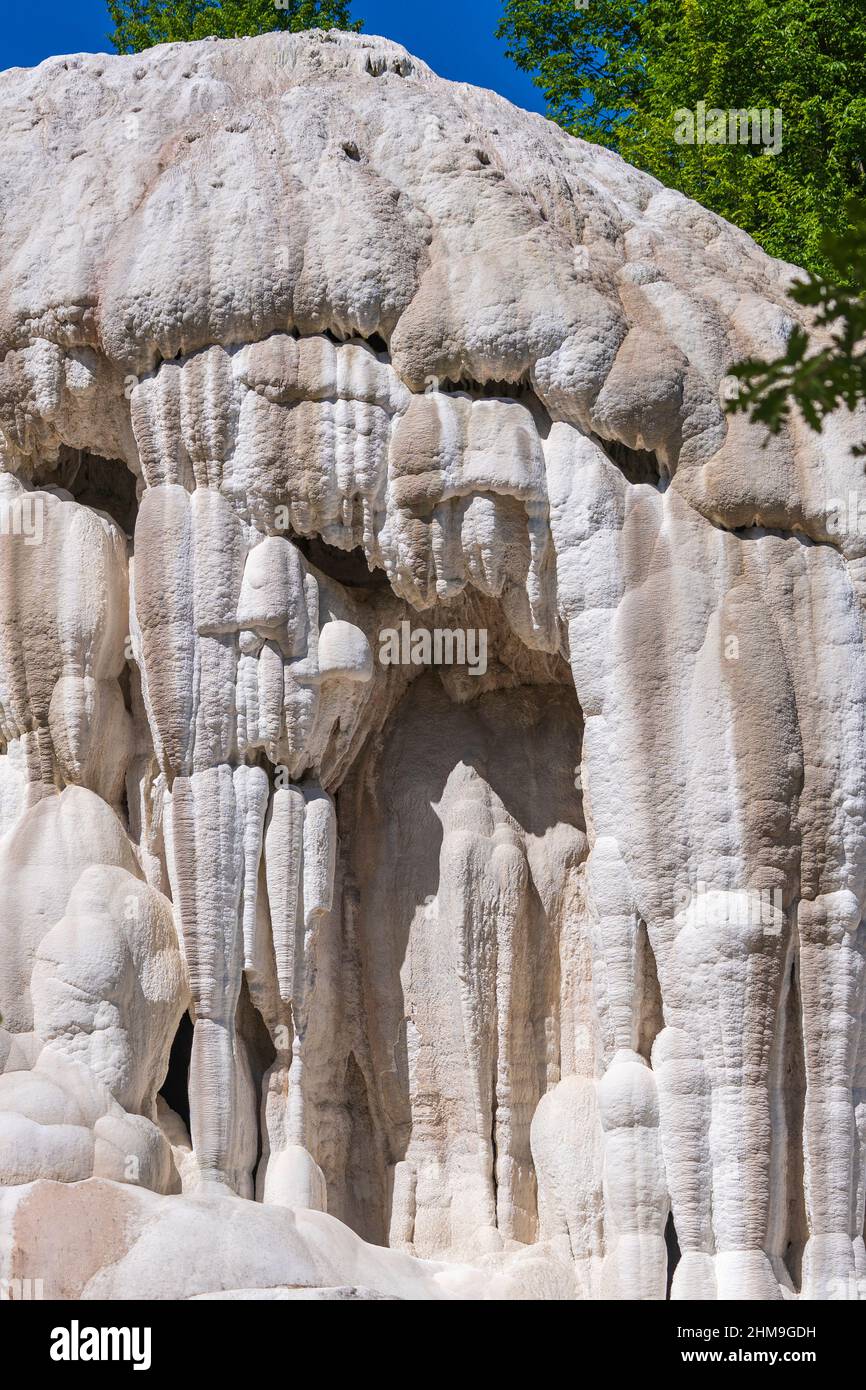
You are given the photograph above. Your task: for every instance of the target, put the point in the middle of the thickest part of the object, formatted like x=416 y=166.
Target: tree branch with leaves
x=817 y=380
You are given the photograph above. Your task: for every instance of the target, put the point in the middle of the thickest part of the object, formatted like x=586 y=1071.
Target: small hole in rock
x=348 y=567
x=636 y=465
x=673 y=1249
x=106 y=485
x=175 y=1088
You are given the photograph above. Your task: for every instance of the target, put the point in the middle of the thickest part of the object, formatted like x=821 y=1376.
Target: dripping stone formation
x=328 y=976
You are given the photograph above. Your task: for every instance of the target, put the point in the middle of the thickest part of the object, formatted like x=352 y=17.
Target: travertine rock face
x=542 y=967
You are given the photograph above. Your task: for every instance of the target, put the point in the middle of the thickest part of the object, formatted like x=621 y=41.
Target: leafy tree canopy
x=616 y=71
x=142 y=23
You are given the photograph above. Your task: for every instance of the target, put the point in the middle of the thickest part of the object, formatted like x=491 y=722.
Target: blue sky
x=456 y=37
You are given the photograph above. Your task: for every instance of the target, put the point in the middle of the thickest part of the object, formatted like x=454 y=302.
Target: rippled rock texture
x=545 y=970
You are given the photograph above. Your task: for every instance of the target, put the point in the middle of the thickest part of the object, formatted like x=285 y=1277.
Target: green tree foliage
x=142 y=23
x=817 y=380
x=615 y=72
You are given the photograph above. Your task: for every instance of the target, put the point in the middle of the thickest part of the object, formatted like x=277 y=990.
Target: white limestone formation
x=322 y=977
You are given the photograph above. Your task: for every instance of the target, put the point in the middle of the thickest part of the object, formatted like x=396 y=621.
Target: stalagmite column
x=684 y=1124
x=833 y=973
x=300 y=857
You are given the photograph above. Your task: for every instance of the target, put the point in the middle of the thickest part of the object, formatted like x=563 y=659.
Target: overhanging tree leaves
x=140 y=24
x=818 y=381
x=616 y=71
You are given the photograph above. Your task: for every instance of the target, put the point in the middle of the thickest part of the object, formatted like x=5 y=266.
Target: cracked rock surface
x=538 y=974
